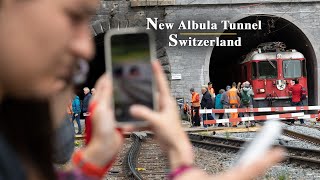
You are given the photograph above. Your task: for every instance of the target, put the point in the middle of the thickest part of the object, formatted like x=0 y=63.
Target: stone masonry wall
x=193 y=63
x=120 y=14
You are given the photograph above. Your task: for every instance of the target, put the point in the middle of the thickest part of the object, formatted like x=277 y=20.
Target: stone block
x=161 y=52
x=138 y=3
x=164 y=60
x=166 y=68
x=98 y=28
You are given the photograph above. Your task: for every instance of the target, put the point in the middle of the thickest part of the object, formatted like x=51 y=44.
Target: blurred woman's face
x=41 y=41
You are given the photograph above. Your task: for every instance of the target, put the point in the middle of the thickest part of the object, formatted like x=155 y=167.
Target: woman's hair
x=27 y=127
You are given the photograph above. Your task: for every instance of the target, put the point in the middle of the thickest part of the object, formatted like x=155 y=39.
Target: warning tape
x=265 y=109
x=260 y=118
x=308 y=116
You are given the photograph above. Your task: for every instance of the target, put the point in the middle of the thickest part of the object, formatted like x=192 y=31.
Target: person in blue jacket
x=76 y=112
x=218 y=104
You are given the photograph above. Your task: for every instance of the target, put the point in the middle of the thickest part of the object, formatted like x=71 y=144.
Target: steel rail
x=132 y=157
x=293 y=159
x=303 y=137
x=315 y=154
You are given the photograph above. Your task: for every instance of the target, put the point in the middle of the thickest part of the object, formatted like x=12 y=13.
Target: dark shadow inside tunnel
x=224 y=65
x=97 y=66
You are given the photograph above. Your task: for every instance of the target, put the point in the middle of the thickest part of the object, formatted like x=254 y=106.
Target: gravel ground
x=304 y=130
x=287 y=171
x=297 y=143
x=281 y=171
x=214 y=162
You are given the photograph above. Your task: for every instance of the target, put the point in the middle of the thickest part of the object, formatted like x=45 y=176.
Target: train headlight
x=261 y=90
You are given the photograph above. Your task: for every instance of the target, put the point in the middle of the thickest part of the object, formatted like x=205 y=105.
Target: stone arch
x=313 y=84
x=100 y=27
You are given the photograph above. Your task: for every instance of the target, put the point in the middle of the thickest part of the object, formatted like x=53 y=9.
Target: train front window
x=254 y=70
x=304 y=68
x=292 y=68
x=268 y=69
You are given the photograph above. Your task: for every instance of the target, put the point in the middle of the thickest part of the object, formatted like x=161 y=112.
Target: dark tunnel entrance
x=97 y=66
x=224 y=65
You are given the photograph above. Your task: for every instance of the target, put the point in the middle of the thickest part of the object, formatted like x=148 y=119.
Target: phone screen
x=132 y=73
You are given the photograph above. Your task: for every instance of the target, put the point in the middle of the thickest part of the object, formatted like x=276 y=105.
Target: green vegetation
x=227 y=134
x=77 y=144
x=283 y=176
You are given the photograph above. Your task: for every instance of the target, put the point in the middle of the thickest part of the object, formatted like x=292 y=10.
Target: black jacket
x=85 y=103
x=206 y=101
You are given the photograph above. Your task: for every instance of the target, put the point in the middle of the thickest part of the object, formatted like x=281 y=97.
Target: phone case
x=108 y=63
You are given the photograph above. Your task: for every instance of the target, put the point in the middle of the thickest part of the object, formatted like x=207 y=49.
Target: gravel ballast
x=215 y=162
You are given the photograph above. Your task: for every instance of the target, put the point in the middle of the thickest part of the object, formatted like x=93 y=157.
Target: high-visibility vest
x=69 y=108
x=195 y=99
x=233 y=96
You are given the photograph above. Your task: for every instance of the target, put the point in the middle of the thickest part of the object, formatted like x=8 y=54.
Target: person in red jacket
x=296 y=92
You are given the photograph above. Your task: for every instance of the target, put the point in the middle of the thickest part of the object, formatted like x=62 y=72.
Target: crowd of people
x=238 y=96
x=36 y=81
x=76 y=107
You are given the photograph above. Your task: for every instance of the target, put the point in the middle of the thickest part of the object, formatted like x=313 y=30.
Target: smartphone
x=263 y=142
x=129 y=53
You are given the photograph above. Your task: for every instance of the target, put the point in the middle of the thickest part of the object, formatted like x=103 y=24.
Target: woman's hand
x=166 y=123
x=105 y=140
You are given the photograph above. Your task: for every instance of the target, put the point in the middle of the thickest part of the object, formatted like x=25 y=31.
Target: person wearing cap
x=195 y=106
x=246 y=95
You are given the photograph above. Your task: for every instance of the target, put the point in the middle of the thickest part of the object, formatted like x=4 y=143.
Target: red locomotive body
x=270 y=69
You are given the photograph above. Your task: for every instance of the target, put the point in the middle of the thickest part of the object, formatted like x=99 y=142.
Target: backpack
x=245 y=98
x=218 y=104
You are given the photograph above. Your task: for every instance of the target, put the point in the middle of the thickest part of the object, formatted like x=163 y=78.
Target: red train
x=270 y=70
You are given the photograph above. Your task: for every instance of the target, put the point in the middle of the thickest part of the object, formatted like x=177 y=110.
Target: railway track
x=118 y=170
x=145 y=161
x=317 y=127
x=293 y=134
x=303 y=137
x=299 y=156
